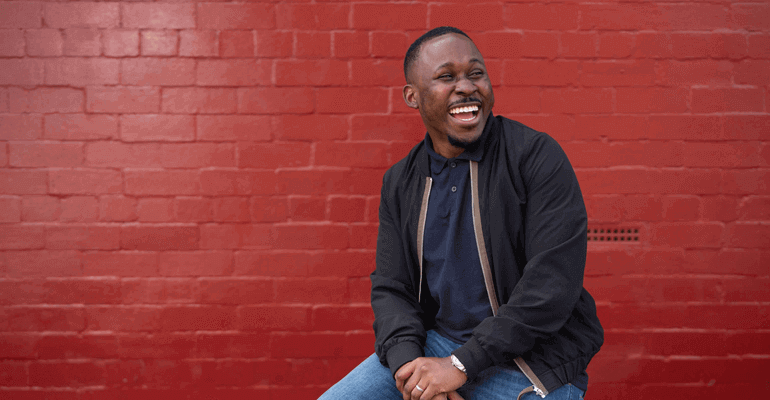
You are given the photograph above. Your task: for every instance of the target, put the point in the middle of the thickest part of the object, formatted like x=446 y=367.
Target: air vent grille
x=614 y=234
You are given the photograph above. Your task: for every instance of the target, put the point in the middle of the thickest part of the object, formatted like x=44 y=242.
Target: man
x=482 y=243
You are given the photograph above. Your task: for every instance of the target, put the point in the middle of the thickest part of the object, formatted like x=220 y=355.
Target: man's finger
x=403 y=374
x=453 y=395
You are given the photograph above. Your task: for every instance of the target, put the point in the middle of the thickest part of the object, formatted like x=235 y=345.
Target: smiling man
x=478 y=290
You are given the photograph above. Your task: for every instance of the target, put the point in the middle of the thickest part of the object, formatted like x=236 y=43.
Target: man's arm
x=398 y=324
x=555 y=248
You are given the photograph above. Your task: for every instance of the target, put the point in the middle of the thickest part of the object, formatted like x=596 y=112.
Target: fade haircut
x=414 y=50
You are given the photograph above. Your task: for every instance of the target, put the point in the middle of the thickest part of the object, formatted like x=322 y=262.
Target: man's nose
x=465 y=85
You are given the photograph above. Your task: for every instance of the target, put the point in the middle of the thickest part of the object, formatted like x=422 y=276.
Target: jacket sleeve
x=555 y=242
x=398 y=325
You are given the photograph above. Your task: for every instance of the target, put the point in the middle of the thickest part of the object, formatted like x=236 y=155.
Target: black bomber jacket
x=529 y=209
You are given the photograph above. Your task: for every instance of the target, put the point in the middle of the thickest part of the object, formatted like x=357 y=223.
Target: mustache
x=463 y=101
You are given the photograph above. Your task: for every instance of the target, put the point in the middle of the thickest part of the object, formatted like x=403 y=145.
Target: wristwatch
x=456 y=362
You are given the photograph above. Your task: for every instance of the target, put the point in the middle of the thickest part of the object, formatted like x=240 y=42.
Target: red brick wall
x=189 y=191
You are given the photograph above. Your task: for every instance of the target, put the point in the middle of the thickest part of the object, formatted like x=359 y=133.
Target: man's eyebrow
x=448 y=63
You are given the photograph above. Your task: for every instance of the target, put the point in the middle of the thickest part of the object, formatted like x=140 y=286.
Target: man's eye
x=477 y=73
x=445 y=77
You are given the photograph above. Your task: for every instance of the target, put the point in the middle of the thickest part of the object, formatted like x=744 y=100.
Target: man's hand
x=436 y=377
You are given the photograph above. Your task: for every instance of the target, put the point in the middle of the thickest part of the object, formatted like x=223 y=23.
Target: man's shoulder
x=522 y=139
x=406 y=165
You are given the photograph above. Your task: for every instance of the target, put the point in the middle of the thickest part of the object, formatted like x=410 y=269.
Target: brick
x=241 y=373
x=312 y=290
x=387 y=127
x=117 y=208
x=18 y=14
x=159 y=16
x=11 y=43
x=236 y=43
x=82 y=237
x=303 y=127
x=82 y=42
x=351 y=154
x=745 y=127
x=719 y=208
x=223 y=182
x=3 y=154
x=597 y=154
x=754 y=208
x=198 y=318
x=696 y=72
x=198 y=43
x=155 y=210
x=540 y=73
x=748 y=235
x=312 y=45
x=82 y=71
x=689 y=181
x=276 y=101
x=46 y=100
x=20 y=181
x=618 y=73
x=296 y=236
x=73 y=346
x=745 y=290
x=158 y=71
x=13 y=373
x=752 y=17
x=616 y=45
x=312 y=16
x=752 y=72
x=161 y=182
x=386 y=44
x=268 y=209
x=541 y=17
x=120 y=43
x=29 y=264
x=10 y=209
x=124 y=319
x=352 y=100
x=307 y=208
x=120 y=263
x=689 y=45
x=280 y=264
x=271 y=317
x=235 y=236
x=360 y=290
x=86 y=291
x=234 y=127
x=304 y=345
x=66 y=373
x=347 y=209
x=517 y=100
x=173 y=128
x=539 y=44
x=569 y=101
x=197 y=155
x=759 y=46
x=274 y=44
x=236 y=16
x=80 y=126
x=342 y=318
x=390 y=16
x=22 y=71
x=505 y=45
x=685 y=127
x=85 y=181
x=157 y=291
x=22 y=237
x=159 y=237
x=81 y=15
x=722 y=154
x=20 y=127
x=311 y=73
x=232 y=345
x=195 y=263
x=363 y=236
x=577 y=45
x=688 y=234
x=199 y=101
x=233 y=73
x=40 y=208
x=351 y=44
x=17 y=345
x=680 y=208
x=728 y=99
x=231 y=209
x=122 y=99
x=118 y=154
x=652 y=100
x=158 y=43
x=273 y=155
x=42 y=318
x=79 y=209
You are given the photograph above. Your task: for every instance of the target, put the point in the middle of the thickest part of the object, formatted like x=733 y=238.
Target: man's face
x=451 y=88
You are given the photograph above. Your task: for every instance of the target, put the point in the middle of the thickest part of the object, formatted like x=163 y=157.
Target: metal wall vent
x=615 y=234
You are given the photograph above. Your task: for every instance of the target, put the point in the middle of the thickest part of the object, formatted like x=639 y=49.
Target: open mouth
x=465 y=113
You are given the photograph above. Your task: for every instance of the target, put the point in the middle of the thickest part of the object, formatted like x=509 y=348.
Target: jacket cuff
x=473 y=357
x=401 y=354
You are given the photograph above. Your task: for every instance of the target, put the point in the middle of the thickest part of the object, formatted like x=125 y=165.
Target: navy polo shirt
x=452 y=266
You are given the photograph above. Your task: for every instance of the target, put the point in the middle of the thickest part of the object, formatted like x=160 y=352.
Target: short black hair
x=414 y=50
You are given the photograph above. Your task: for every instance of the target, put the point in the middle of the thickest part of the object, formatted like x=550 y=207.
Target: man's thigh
x=506 y=383
x=369 y=380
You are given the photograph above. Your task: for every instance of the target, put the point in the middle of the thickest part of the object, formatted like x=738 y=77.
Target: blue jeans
x=370 y=380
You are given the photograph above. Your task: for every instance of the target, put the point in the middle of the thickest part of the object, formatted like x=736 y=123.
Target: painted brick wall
x=189 y=190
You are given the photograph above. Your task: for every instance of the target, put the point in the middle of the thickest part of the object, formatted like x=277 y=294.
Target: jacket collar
x=475 y=152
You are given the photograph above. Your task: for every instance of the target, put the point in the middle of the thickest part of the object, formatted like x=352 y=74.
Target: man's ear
x=410 y=96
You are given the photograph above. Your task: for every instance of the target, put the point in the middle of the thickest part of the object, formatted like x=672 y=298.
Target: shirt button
x=454 y=188
x=453 y=165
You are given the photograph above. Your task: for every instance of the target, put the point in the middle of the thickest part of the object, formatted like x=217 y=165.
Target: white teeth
x=458 y=110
